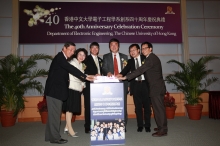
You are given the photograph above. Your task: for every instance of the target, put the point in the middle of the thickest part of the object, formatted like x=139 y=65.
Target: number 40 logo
x=53 y=20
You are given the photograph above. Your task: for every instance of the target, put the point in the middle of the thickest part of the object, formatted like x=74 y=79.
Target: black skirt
x=73 y=102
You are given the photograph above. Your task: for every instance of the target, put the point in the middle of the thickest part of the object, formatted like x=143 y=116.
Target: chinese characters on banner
x=83 y=22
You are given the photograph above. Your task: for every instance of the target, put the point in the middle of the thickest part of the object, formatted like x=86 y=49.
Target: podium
x=107 y=113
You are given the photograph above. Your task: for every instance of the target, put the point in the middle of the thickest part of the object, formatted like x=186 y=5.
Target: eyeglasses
x=145 y=48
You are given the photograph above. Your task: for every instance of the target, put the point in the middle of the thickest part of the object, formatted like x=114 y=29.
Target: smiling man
x=153 y=74
x=113 y=63
x=56 y=90
x=139 y=89
x=93 y=67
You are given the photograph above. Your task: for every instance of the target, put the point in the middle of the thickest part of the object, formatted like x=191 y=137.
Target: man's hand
x=122 y=78
x=119 y=75
x=109 y=74
x=98 y=75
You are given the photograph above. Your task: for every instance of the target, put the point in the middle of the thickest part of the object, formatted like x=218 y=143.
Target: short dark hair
x=134 y=45
x=67 y=44
x=114 y=40
x=147 y=43
x=77 y=52
x=94 y=44
x=80 y=50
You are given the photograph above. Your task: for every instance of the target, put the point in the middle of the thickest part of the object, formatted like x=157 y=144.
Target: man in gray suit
x=153 y=74
x=113 y=63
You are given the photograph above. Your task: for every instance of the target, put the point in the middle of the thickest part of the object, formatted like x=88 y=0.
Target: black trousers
x=142 y=104
x=86 y=93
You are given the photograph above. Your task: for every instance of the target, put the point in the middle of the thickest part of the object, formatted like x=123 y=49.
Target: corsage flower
x=83 y=66
x=124 y=62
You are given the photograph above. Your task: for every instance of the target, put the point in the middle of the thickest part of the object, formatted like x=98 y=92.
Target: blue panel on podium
x=107 y=113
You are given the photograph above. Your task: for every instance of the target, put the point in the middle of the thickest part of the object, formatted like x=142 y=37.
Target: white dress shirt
x=140 y=63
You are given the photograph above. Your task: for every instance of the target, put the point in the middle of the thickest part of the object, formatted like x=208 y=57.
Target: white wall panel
x=197 y=45
x=168 y=68
x=5 y=48
x=5 y=8
x=196 y=27
x=213 y=45
x=212 y=9
x=5 y=26
x=212 y=27
x=194 y=9
x=165 y=49
x=30 y=49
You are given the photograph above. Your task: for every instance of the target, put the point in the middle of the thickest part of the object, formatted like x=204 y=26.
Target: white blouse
x=75 y=83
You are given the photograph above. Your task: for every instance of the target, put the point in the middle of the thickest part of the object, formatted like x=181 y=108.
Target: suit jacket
x=91 y=68
x=129 y=68
x=58 y=78
x=108 y=64
x=153 y=74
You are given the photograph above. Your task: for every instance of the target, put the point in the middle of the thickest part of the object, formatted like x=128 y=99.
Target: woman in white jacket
x=73 y=103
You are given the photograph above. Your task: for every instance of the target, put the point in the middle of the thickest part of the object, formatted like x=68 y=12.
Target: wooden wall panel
x=31 y=113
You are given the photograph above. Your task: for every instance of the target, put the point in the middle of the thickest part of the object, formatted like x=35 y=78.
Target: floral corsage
x=83 y=66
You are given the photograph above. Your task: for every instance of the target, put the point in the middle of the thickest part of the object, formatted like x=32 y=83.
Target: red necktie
x=115 y=65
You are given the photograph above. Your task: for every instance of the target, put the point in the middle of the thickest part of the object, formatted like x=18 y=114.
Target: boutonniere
x=83 y=66
x=124 y=62
x=142 y=62
x=100 y=64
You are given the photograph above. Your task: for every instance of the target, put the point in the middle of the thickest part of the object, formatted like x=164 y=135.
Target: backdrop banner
x=83 y=22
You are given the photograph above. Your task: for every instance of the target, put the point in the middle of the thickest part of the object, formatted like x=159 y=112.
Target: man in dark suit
x=139 y=89
x=56 y=90
x=113 y=63
x=153 y=73
x=93 y=67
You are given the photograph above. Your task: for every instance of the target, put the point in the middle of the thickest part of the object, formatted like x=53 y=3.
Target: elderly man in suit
x=93 y=67
x=113 y=63
x=56 y=90
x=153 y=73
x=139 y=89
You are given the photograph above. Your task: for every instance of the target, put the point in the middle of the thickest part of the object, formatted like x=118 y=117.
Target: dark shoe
x=139 y=129
x=61 y=141
x=147 y=129
x=159 y=134
x=156 y=129
x=87 y=130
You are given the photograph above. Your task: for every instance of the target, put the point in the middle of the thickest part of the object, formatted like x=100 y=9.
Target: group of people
x=71 y=72
x=108 y=130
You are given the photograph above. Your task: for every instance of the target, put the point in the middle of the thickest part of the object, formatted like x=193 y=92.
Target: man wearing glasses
x=153 y=74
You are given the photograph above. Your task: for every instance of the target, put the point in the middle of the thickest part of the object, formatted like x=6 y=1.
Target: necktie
x=97 y=64
x=137 y=65
x=115 y=65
